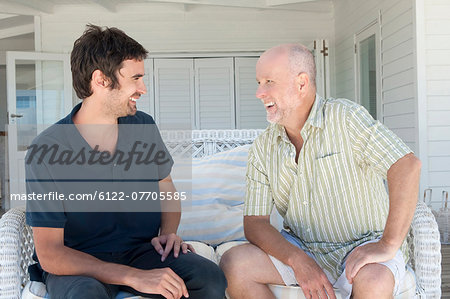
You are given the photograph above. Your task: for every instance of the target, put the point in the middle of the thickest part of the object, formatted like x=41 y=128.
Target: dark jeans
x=203 y=278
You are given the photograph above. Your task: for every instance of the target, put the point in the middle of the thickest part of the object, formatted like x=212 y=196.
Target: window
x=368 y=90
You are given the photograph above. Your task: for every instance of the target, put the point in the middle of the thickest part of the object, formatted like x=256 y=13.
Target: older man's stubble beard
x=280 y=116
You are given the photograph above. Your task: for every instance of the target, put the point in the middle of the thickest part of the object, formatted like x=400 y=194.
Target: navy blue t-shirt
x=69 y=168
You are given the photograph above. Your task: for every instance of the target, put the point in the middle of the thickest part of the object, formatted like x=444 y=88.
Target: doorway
x=38 y=94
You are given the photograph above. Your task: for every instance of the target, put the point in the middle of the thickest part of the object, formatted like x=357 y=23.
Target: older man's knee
x=375 y=281
x=235 y=260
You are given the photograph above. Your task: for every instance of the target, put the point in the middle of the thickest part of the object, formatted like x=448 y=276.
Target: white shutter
x=250 y=112
x=174 y=93
x=214 y=98
x=146 y=102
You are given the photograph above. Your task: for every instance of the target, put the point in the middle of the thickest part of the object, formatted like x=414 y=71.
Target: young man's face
x=277 y=89
x=122 y=100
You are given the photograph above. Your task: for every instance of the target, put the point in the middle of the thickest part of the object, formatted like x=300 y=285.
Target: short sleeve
x=164 y=168
x=38 y=183
x=258 y=196
x=373 y=144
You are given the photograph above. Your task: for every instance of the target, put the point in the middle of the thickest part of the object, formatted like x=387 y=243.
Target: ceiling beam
x=259 y=4
x=39 y=5
x=284 y=2
x=18 y=30
x=16 y=21
x=5 y=16
x=108 y=4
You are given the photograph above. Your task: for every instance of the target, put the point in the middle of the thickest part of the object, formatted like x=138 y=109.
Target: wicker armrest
x=12 y=253
x=427 y=251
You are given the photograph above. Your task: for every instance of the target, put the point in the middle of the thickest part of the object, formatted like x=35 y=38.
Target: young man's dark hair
x=101 y=49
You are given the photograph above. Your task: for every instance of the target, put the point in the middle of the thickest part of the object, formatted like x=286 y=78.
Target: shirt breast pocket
x=332 y=174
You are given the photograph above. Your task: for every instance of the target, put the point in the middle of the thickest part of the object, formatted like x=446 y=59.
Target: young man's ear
x=99 y=79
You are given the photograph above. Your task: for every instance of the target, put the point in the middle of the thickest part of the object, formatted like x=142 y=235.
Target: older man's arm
x=403 y=182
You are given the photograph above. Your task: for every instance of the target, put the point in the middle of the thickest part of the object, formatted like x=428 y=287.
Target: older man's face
x=277 y=89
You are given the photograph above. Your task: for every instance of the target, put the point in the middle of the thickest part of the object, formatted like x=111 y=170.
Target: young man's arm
x=403 y=182
x=170 y=219
x=58 y=259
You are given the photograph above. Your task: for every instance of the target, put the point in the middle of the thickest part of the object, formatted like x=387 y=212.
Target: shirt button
x=115 y=164
x=292 y=154
x=305 y=202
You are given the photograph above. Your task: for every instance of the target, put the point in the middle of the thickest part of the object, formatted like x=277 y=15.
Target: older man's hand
x=312 y=279
x=378 y=252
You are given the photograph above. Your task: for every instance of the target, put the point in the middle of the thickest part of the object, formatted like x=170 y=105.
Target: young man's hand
x=171 y=241
x=158 y=281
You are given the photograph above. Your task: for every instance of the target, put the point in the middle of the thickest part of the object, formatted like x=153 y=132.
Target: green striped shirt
x=334 y=198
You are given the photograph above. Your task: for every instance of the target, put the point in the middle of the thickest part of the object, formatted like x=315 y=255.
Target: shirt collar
x=315 y=119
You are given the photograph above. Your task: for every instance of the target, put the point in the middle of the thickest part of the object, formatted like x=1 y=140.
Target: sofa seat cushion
x=37 y=290
x=204 y=250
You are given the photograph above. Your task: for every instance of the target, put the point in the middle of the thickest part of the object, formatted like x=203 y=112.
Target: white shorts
x=396 y=265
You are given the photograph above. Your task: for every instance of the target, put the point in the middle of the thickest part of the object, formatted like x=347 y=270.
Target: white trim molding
x=421 y=90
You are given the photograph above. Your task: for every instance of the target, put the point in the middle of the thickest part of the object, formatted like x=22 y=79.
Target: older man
x=322 y=163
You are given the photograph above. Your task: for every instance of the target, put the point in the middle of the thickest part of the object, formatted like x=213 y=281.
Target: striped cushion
x=213 y=212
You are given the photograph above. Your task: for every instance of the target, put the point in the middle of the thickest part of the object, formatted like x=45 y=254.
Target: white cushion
x=34 y=290
x=37 y=290
x=213 y=212
x=203 y=250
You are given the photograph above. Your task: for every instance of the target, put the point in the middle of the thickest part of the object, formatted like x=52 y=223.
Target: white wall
x=397 y=58
x=168 y=28
x=436 y=48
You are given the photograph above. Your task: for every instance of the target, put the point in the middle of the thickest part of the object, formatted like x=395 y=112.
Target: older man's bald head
x=300 y=59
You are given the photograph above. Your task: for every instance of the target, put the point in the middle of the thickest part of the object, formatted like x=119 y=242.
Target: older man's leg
x=373 y=281
x=248 y=270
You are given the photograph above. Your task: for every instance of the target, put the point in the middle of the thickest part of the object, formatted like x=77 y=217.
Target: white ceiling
x=33 y=7
x=16 y=16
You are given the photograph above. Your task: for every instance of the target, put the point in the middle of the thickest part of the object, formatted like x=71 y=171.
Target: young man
x=322 y=164
x=107 y=149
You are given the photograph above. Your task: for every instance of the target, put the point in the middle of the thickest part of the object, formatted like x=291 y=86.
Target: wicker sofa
x=16 y=244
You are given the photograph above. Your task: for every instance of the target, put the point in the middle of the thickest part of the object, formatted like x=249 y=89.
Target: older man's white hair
x=301 y=60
